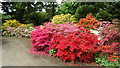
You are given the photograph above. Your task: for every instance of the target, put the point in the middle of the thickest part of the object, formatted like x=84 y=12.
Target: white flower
x=96 y=33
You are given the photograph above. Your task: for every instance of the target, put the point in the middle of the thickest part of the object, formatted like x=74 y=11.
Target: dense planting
x=71 y=42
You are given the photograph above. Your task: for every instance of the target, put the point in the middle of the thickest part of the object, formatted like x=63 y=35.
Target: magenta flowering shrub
x=40 y=41
x=61 y=28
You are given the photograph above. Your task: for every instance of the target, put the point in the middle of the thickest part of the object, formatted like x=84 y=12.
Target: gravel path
x=15 y=53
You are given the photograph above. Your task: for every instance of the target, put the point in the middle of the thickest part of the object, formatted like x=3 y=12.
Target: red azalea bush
x=112 y=58
x=78 y=46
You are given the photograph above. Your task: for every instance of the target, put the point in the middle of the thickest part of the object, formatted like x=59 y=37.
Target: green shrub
x=4 y=17
x=60 y=19
x=52 y=52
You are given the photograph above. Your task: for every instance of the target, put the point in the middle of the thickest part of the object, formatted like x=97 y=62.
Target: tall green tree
x=30 y=12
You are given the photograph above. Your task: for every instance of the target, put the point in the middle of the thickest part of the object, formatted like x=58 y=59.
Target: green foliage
x=5 y=17
x=104 y=15
x=83 y=10
x=104 y=61
x=36 y=17
x=50 y=8
x=104 y=10
x=68 y=7
x=59 y=19
x=30 y=12
x=0 y=15
x=113 y=9
x=52 y=52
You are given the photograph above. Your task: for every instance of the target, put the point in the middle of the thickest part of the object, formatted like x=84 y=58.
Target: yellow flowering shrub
x=11 y=23
x=60 y=19
x=15 y=24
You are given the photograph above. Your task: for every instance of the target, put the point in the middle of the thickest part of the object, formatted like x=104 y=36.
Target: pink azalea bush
x=61 y=28
x=110 y=32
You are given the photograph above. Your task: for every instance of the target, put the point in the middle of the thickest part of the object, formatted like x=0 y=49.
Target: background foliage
x=30 y=12
x=104 y=10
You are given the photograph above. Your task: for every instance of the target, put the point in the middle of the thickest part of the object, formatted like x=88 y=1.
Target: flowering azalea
x=89 y=22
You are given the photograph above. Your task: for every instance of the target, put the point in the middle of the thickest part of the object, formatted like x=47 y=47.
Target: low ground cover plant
x=107 y=60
